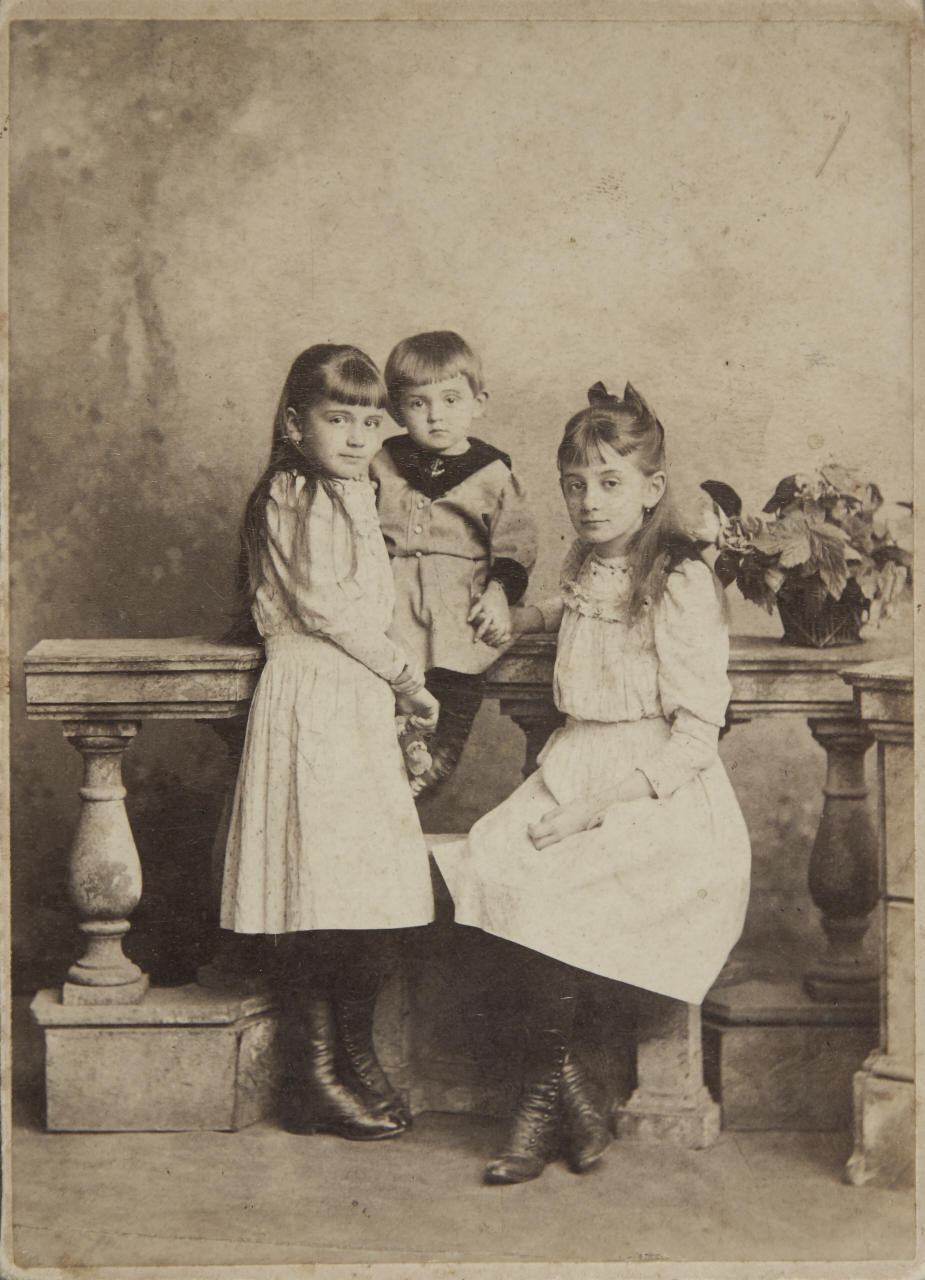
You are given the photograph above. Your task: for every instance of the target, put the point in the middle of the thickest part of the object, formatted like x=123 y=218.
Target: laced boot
x=315 y=1099
x=586 y=1131
x=534 y=1136
x=357 y=1061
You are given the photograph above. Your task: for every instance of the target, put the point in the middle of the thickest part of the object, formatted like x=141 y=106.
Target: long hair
x=630 y=428
x=323 y=372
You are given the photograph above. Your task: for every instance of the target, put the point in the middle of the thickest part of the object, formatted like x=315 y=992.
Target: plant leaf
x=833 y=573
x=768 y=541
x=724 y=496
x=726 y=566
x=891 y=553
x=795 y=550
x=783 y=495
x=842 y=479
x=751 y=582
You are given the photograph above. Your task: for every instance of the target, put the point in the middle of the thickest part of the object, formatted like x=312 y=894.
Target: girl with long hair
x=625 y=854
x=324 y=849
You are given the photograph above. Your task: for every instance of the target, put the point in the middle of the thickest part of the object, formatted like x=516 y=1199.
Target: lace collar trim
x=599 y=589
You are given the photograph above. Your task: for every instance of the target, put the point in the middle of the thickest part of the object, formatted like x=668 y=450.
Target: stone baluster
x=843 y=868
x=671 y=1103
x=538 y=719
x=104 y=873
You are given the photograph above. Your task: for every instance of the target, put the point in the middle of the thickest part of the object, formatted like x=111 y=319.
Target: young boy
x=457 y=528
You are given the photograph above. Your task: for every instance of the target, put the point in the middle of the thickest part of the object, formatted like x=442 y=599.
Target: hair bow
x=599 y=396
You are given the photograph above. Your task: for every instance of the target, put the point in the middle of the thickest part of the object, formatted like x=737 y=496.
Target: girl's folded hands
x=581 y=815
x=564 y=821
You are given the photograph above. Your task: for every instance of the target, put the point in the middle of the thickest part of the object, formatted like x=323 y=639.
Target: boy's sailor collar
x=434 y=474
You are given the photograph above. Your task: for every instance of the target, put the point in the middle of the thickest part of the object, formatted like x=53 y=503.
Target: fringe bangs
x=352 y=381
x=586 y=433
x=432 y=357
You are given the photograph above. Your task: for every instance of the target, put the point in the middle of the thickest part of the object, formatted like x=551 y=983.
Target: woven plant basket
x=813 y=619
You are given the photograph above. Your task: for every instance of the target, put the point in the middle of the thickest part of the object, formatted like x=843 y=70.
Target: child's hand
x=407 y=680
x=563 y=821
x=491 y=616
x=422 y=707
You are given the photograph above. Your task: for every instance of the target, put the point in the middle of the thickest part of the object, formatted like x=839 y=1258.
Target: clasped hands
x=491 y=616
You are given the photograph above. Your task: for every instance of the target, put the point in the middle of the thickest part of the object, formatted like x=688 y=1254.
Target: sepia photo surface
x=708 y=202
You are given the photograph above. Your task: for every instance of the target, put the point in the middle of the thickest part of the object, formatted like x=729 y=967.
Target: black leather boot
x=357 y=1061
x=314 y=1099
x=534 y=1136
x=587 y=1136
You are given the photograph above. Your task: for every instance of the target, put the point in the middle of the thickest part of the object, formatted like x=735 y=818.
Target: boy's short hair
x=431 y=357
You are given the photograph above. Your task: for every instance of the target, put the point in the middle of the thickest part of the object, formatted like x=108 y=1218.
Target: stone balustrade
x=884 y=1089
x=103 y=690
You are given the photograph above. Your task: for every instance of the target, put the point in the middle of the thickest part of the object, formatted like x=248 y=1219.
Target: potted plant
x=821 y=552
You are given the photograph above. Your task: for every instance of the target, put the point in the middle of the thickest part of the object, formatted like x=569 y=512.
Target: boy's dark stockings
x=460 y=696
x=332 y=1081
x=554 y=1101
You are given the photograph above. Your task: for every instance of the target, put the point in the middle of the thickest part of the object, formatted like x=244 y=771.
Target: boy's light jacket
x=451 y=524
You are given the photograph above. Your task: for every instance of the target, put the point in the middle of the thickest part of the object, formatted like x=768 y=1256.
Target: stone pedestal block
x=185 y=1058
x=670 y=1103
x=777 y=1059
x=692 y=1122
x=884 y=1131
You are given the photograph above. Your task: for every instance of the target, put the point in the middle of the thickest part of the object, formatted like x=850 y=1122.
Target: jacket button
x=417 y=528
x=417 y=555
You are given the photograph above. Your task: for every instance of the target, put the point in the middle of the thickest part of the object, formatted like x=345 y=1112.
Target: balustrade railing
x=103 y=690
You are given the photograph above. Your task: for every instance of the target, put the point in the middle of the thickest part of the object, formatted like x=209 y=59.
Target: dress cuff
x=408 y=678
x=512 y=576
x=690 y=749
x=664 y=777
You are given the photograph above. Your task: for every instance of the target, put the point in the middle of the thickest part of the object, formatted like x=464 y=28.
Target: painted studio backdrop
x=718 y=212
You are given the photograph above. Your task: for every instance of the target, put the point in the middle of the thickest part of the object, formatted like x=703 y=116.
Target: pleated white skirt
x=655 y=897
x=324 y=833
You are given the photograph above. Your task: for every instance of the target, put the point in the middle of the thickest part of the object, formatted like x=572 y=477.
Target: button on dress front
x=324 y=833
x=656 y=896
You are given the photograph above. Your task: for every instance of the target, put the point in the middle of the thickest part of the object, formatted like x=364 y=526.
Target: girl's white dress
x=656 y=896
x=324 y=833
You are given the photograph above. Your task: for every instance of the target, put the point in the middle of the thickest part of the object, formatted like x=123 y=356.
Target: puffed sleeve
x=692 y=643
x=306 y=533
x=512 y=539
